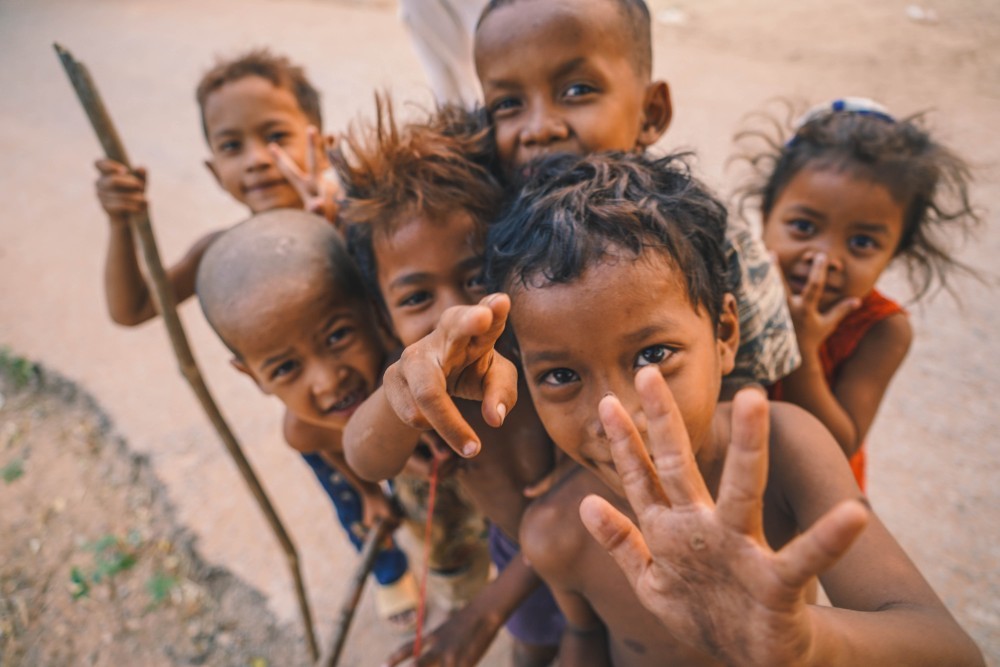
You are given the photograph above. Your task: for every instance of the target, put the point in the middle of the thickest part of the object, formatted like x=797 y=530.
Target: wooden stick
x=163 y=297
x=373 y=543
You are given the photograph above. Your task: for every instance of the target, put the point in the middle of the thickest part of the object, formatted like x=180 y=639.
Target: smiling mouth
x=348 y=402
x=266 y=185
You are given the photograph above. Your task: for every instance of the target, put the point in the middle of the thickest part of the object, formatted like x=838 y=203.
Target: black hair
x=928 y=180
x=637 y=22
x=573 y=212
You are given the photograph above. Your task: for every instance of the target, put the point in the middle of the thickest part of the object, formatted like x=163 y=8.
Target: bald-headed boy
x=284 y=296
x=575 y=76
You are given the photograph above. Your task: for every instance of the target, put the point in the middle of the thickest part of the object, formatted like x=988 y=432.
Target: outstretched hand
x=319 y=191
x=703 y=567
x=812 y=327
x=460 y=641
x=458 y=360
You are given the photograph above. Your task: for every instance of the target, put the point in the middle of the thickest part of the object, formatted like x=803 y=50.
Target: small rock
x=672 y=16
x=35 y=545
x=919 y=14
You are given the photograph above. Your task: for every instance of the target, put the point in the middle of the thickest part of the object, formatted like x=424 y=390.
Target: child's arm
x=122 y=193
x=456 y=360
x=463 y=639
x=693 y=553
x=848 y=408
x=308 y=439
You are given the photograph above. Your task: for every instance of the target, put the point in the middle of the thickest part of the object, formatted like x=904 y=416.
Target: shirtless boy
x=284 y=296
x=261 y=119
x=575 y=76
x=613 y=264
x=418 y=199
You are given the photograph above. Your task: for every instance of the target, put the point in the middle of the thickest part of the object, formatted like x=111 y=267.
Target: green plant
x=17 y=368
x=159 y=587
x=12 y=470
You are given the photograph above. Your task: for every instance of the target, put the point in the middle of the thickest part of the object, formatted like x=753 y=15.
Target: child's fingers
x=839 y=311
x=312 y=155
x=669 y=444
x=108 y=166
x=432 y=402
x=744 y=475
x=631 y=461
x=286 y=165
x=616 y=535
x=822 y=545
x=813 y=289
x=120 y=182
x=499 y=390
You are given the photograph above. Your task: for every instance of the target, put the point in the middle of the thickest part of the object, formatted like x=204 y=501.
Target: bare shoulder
x=893 y=335
x=552 y=535
x=309 y=439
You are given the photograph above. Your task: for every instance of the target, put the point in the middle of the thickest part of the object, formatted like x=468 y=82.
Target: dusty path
x=935 y=448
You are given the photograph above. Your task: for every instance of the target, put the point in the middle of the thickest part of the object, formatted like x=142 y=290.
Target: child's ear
x=656 y=113
x=238 y=364
x=728 y=334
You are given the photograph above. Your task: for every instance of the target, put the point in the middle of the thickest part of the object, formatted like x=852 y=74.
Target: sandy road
x=935 y=447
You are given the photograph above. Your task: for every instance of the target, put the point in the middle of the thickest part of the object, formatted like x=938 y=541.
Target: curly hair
x=573 y=212
x=276 y=69
x=928 y=180
x=432 y=167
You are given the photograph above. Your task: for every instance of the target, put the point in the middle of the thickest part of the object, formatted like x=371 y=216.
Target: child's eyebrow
x=802 y=208
x=665 y=324
x=409 y=279
x=872 y=227
x=274 y=358
x=545 y=357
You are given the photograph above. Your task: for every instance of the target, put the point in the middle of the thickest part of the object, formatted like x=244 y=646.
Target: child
x=261 y=119
x=284 y=296
x=852 y=191
x=575 y=76
x=614 y=264
x=418 y=200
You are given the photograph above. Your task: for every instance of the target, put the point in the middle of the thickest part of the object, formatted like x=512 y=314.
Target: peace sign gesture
x=317 y=186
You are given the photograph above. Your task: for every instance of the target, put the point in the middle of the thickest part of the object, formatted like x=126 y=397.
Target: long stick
x=163 y=296
x=376 y=536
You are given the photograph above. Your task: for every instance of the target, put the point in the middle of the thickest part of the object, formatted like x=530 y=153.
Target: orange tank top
x=840 y=346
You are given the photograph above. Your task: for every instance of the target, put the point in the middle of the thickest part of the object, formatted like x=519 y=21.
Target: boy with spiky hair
x=419 y=197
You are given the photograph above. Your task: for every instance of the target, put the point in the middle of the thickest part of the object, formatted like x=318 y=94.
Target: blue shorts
x=537 y=620
x=390 y=563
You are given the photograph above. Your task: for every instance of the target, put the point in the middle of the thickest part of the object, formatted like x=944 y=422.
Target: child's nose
x=543 y=126
x=323 y=381
x=258 y=156
x=834 y=261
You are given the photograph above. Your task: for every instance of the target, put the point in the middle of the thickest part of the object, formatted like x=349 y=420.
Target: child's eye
x=276 y=137
x=579 y=90
x=476 y=283
x=337 y=336
x=652 y=355
x=504 y=106
x=284 y=369
x=863 y=242
x=415 y=299
x=230 y=146
x=558 y=377
x=801 y=226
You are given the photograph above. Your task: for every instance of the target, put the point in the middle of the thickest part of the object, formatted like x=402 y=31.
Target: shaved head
x=249 y=269
x=636 y=24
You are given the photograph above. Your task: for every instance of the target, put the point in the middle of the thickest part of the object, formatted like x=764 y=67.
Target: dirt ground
x=935 y=449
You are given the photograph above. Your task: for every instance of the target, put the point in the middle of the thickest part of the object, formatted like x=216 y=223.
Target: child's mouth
x=348 y=402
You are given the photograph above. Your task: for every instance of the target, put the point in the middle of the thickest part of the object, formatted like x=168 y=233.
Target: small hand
x=319 y=192
x=812 y=327
x=703 y=568
x=456 y=360
x=375 y=506
x=121 y=192
x=458 y=642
